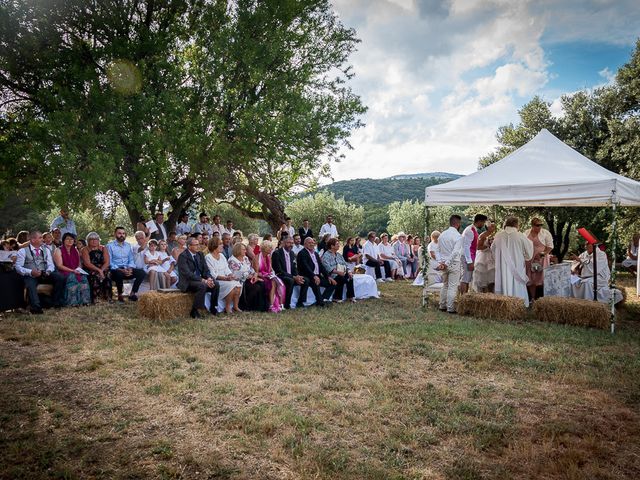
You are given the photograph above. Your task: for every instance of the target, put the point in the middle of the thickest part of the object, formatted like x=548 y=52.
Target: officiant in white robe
x=582 y=287
x=512 y=249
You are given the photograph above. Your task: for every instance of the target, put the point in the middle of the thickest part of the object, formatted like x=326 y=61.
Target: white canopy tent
x=544 y=172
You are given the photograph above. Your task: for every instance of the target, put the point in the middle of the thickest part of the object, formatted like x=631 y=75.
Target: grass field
x=376 y=390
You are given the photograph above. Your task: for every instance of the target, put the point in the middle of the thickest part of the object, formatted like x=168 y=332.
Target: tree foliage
x=347 y=217
x=173 y=102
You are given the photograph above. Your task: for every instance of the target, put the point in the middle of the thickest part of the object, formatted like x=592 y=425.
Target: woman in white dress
x=484 y=271
x=153 y=264
x=433 y=275
x=387 y=252
x=230 y=288
x=168 y=263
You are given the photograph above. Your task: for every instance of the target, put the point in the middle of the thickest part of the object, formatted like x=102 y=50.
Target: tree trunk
x=272 y=209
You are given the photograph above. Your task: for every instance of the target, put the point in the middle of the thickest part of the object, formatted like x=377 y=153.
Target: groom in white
x=511 y=249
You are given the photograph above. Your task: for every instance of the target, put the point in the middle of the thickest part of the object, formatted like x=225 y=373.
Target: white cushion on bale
x=363 y=286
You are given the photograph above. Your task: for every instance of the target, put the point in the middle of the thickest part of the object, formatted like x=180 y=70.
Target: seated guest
x=183 y=227
x=297 y=244
x=229 y=228
x=80 y=244
x=57 y=237
x=95 y=259
x=168 y=264
x=404 y=254
x=372 y=258
x=219 y=270
x=350 y=252
x=305 y=231
x=236 y=238
x=267 y=237
x=23 y=238
x=253 y=248
x=67 y=260
x=336 y=265
x=64 y=223
x=203 y=226
x=181 y=246
x=386 y=253
x=153 y=262
x=172 y=241
x=141 y=226
x=253 y=296
x=631 y=262
x=310 y=266
x=194 y=276
x=122 y=264
x=47 y=239
x=284 y=265
x=138 y=253
x=204 y=242
x=414 y=243
x=226 y=245
x=584 y=270
x=13 y=245
x=35 y=264
x=273 y=286
x=322 y=245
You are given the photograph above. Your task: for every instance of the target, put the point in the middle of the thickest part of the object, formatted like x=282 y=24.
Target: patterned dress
x=99 y=287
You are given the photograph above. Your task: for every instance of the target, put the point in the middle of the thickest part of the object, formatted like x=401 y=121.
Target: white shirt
x=65 y=226
x=371 y=249
x=296 y=248
x=183 y=228
x=230 y=231
x=138 y=257
x=203 y=228
x=467 y=240
x=544 y=236
x=21 y=257
x=329 y=228
x=291 y=231
x=217 y=228
x=433 y=247
x=450 y=246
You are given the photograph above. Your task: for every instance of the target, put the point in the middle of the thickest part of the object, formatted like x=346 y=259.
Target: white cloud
x=440 y=76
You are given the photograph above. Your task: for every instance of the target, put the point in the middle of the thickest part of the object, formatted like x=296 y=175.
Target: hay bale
x=163 y=306
x=490 y=305
x=573 y=311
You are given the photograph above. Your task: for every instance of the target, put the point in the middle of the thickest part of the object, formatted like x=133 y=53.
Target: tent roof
x=544 y=172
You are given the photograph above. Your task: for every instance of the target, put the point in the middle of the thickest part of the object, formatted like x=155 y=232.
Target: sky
x=440 y=76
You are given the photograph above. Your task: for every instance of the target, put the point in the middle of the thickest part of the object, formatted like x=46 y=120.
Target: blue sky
x=440 y=76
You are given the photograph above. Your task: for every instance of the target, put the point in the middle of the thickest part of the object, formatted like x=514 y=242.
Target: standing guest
x=631 y=262
x=290 y=230
x=351 y=253
x=183 y=227
x=283 y=231
x=484 y=271
x=253 y=296
x=402 y=251
x=329 y=228
x=194 y=276
x=433 y=274
x=67 y=259
x=168 y=263
x=297 y=244
x=142 y=241
x=35 y=264
x=153 y=262
x=141 y=226
x=226 y=246
x=64 y=223
x=450 y=248
x=542 y=245
x=305 y=231
x=387 y=253
x=512 y=249
x=322 y=246
x=217 y=226
x=180 y=247
x=310 y=266
x=57 y=237
x=337 y=267
x=47 y=239
x=218 y=266
x=122 y=264
x=95 y=259
x=371 y=255
x=23 y=238
x=469 y=250
x=273 y=286
x=284 y=266
x=268 y=237
x=253 y=248
x=229 y=228
x=172 y=241
x=161 y=232
x=203 y=226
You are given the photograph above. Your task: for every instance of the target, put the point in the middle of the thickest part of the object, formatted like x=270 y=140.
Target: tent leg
x=612 y=282
x=425 y=260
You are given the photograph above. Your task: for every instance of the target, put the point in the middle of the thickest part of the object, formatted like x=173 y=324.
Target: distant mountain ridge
x=383 y=191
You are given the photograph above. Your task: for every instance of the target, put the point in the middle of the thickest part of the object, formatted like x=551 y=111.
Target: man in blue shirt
x=122 y=264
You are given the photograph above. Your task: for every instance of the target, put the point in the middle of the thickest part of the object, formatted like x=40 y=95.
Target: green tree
x=407 y=216
x=173 y=103
x=347 y=217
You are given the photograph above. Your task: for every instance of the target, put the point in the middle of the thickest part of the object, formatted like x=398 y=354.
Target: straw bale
x=572 y=311
x=165 y=306
x=490 y=305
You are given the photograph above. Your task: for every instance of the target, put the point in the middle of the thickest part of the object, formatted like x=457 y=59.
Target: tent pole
x=612 y=282
x=425 y=259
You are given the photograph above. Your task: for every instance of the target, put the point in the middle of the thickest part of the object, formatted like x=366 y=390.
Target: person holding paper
x=157 y=228
x=582 y=279
x=67 y=260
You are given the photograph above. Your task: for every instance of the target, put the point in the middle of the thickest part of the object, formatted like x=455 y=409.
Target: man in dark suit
x=194 y=276
x=310 y=267
x=284 y=264
x=305 y=231
x=161 y=232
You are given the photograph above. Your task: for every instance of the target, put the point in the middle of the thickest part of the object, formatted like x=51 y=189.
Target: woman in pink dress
x=542 y=246
x=274 y=288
